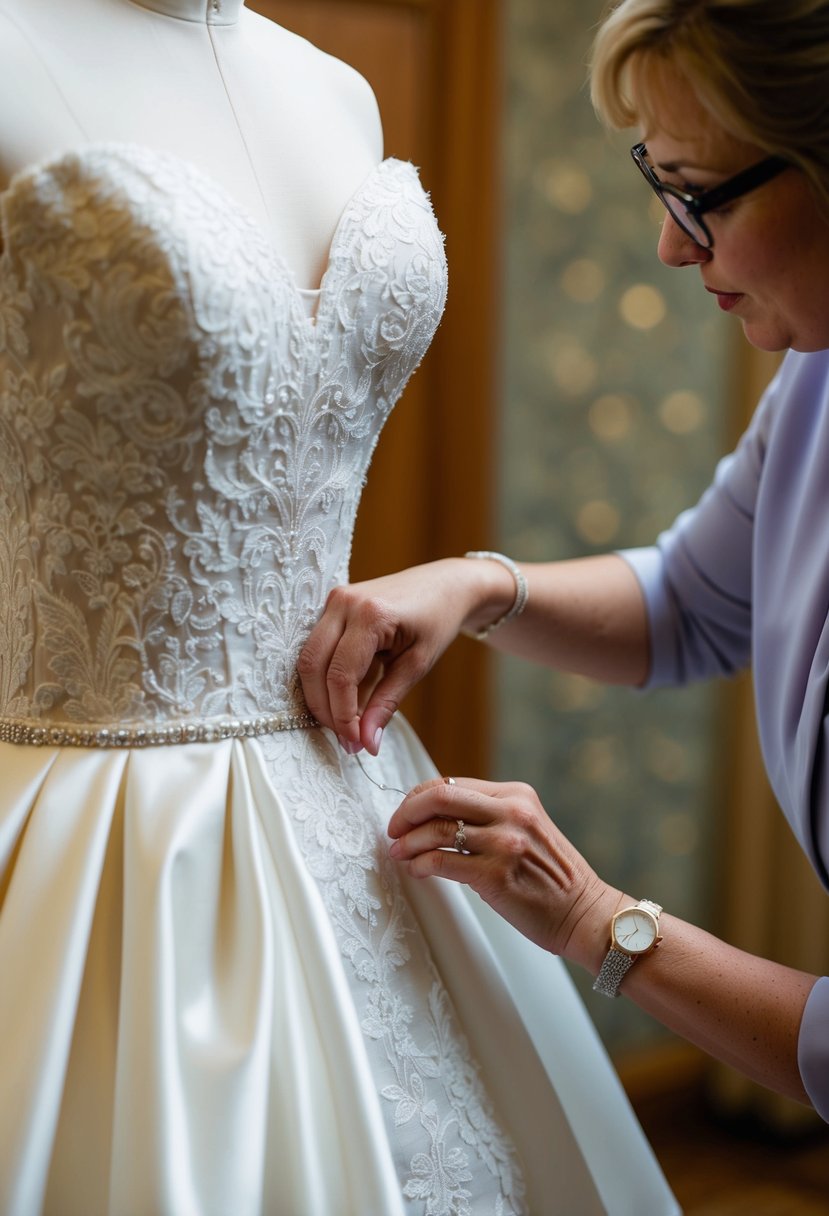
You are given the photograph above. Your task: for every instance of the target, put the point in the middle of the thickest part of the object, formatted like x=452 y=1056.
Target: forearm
x=743 y=1010
x=376 y=639
x=585 y=616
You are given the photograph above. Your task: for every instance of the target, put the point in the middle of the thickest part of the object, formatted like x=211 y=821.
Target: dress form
x=289 y=132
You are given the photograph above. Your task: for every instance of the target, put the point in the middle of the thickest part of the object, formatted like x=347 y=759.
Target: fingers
x=368 y=684
x=443 y=827
x=435 y=834
x=340 y=663
x=357 y=666
x=468 y=798
x=512 y=855
x=496 y=824
x=399 y=677
x=313 y=663
x=394 y=628
x=444 y=863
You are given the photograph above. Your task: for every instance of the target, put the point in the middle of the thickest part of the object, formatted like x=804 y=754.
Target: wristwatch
x=634 y=931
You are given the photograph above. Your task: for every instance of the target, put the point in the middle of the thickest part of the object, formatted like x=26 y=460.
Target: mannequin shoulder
x=17 y=59
x=33 y=115
x=316 y=76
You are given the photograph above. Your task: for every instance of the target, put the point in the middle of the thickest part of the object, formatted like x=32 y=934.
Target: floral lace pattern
x=181 y=458
x=436 y=1105
x=181 y=449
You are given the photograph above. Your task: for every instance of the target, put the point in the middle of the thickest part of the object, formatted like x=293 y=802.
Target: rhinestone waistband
x=38 y=734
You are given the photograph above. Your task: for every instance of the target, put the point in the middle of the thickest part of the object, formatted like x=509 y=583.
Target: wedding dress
x=217 y=994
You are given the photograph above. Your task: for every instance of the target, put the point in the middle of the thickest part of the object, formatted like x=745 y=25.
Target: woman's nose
x=677 y=248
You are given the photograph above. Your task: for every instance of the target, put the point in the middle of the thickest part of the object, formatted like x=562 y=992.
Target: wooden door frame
x=465 y=361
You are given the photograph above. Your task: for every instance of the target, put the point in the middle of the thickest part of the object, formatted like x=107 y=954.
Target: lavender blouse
x=743 y=579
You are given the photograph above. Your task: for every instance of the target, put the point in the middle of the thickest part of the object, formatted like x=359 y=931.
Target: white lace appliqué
x=186 y=448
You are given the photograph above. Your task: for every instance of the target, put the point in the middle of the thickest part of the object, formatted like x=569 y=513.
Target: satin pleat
x=185 y=1041
x=45 y=926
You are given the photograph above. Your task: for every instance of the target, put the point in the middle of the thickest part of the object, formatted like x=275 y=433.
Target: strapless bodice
x=182 y=448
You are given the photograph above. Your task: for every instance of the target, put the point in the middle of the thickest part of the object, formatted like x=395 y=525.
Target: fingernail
x=378 y=739
x=348 y=746
x=394 y=848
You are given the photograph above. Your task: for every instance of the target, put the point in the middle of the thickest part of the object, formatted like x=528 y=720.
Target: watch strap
x=613 y=970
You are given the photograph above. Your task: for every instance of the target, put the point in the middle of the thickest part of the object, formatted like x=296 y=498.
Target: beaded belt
x=21 y=730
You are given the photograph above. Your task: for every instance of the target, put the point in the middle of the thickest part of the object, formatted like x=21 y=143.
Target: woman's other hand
x=513 y=855
x=377 y=639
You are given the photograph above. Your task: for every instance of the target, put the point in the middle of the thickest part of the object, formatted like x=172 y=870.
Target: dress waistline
x=38 y=734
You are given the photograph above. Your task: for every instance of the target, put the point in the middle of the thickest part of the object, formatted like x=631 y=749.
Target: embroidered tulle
x=181 y=457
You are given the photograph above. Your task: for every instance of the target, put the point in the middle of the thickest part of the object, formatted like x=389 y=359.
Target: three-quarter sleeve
x=813 y=1047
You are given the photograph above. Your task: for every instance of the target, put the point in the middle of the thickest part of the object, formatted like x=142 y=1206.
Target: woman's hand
x=513 y=856
x=377 y=639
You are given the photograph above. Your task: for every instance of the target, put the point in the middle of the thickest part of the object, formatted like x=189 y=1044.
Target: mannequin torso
x=289 y=132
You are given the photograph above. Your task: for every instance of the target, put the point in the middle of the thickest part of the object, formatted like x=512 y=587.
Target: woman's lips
x=726 y=299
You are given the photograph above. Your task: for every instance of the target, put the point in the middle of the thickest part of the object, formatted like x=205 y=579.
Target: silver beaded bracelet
x=521 y=593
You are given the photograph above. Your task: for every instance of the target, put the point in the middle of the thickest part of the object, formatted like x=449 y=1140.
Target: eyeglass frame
x=707 y=200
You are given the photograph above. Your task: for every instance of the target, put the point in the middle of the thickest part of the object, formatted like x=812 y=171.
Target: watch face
x=634 y=930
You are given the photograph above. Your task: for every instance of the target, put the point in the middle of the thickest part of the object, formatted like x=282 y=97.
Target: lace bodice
x=182 y=448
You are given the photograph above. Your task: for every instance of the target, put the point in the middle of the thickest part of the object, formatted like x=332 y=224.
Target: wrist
x=590 y=934
x=505 y=593
x=473 y=589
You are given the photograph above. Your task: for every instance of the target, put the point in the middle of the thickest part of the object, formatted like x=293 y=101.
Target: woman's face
x=770 y=262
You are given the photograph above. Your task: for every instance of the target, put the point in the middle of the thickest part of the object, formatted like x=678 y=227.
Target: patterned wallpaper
x=614 y=413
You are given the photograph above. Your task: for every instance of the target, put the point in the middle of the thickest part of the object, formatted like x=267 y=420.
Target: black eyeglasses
x=688 y=209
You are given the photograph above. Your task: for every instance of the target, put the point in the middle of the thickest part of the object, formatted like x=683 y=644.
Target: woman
x=730 y=99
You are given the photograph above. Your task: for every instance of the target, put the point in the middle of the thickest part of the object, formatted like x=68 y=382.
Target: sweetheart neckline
x=125 y=147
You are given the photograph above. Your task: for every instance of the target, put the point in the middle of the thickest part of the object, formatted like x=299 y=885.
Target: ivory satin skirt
x=221 y=998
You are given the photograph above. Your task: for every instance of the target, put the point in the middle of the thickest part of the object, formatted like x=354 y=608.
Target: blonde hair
x=760 y=67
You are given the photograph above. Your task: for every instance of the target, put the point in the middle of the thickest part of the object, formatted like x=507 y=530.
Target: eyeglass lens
x=686 y=219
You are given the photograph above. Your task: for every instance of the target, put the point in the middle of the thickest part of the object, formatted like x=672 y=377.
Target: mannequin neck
x=209 y=12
